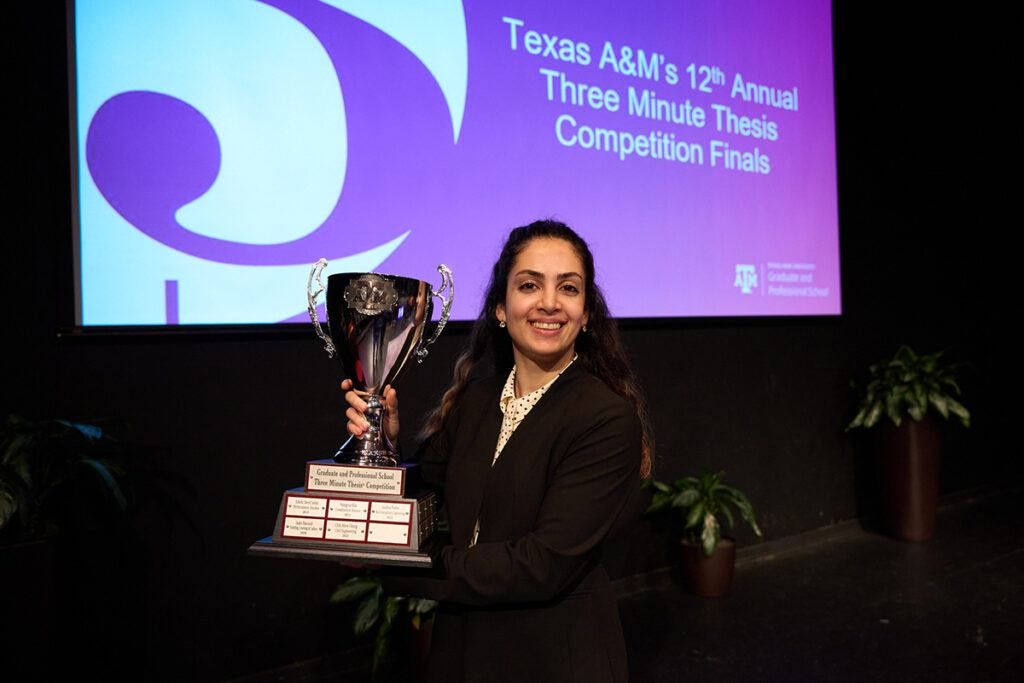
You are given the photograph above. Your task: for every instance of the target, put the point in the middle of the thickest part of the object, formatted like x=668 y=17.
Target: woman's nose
x=549 y=299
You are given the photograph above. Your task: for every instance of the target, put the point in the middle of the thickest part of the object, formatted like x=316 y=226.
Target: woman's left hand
x=357 y=424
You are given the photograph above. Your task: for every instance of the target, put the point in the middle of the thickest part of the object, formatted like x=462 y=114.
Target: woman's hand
x=357 y=424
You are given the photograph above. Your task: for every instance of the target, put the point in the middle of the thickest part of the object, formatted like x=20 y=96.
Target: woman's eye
x=570 y=288
x=527 y=287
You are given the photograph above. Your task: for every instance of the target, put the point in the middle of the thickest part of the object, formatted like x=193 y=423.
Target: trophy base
x=350 y=525
x=355 y=515
x=267 y=547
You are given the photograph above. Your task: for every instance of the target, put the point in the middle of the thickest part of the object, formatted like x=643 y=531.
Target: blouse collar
x=508 y=393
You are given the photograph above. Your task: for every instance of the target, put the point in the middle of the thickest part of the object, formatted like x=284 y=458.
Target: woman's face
x=544 y=303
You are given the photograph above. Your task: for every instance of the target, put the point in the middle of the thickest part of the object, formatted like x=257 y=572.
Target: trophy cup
x=362 y=504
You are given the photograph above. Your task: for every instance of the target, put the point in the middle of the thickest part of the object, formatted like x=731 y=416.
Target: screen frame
x=69 y=306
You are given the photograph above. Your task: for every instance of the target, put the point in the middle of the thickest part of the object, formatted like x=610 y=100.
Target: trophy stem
x=374 y=448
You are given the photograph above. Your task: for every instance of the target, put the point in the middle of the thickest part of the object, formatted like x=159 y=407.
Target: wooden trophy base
x=354 y=515
x=266 y=547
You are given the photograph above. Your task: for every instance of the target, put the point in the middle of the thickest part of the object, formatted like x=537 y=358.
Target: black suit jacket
x=530 y=599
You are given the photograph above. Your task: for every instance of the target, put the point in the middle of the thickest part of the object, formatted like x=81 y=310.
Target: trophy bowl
x=376 y=324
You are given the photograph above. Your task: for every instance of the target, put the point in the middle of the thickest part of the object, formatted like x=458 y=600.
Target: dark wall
x=236 y=416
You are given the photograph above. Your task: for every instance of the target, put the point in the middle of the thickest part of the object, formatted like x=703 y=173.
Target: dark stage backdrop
x=235 y=417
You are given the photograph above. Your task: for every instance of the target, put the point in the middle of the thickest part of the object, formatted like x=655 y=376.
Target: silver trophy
x=376 y=323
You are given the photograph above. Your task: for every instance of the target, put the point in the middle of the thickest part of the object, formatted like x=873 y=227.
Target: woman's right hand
x=357 y=424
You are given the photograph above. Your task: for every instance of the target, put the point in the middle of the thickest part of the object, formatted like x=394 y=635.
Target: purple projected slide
x=225 y=147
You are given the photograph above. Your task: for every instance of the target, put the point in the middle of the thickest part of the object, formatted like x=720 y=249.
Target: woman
x=536 y=464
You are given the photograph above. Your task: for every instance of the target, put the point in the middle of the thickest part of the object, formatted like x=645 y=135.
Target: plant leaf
x=355 y=588
x=957 y=409
x=91 y=432
x=368 y=612
x=876 y=412
x=685 y=499
x=422 y=605
x=8 y=506
x=16 y=448
x=709 y=535
x=728 y=513
x=941 y=404
x=695 y=516
x=391 y=605
x=101 y=469
x=742 y=503
x=382 y=642
x=747 y=512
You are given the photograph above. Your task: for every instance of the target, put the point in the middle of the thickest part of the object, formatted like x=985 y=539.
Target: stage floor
x=836 y=604
x=853 y=606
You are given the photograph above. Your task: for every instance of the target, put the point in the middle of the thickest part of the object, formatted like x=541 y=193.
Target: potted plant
x=900 y=398
x=708 y=557
x=43 y=465
x=62 y=487
x=376 y=609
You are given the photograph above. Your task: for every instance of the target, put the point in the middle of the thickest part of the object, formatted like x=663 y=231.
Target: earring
x=501 y=323
x=584 y=328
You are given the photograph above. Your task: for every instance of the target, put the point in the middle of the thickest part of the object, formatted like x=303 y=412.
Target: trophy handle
x=447 y=285
x=314 y=274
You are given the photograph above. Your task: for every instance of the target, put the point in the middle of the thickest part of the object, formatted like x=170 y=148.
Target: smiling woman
x=535 y=462
x=544 y=310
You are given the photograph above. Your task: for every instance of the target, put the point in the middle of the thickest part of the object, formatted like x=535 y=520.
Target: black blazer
x=530 y=599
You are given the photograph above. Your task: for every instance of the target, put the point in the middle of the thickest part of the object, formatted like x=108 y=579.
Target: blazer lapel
x=480 y=479
x=537 y=422
x=478 y=454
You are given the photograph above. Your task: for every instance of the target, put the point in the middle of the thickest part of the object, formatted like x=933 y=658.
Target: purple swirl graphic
x=150 y=154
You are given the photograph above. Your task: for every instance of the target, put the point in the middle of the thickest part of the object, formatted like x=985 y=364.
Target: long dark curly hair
x=599 y=348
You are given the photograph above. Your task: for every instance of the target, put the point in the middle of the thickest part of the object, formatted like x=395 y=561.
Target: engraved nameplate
x=340 y=530
x=341 y=508
x=334 y=478
x=382 y=511
x=303 y=527
x=303 y=506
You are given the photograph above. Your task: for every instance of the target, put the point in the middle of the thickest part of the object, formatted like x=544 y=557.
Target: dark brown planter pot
x=908 y=466
x=709 y=577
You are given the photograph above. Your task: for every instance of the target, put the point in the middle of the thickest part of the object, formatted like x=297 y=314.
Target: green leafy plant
x=701 y=500
x=378 y=610
x=908 y=385
x=43 y=463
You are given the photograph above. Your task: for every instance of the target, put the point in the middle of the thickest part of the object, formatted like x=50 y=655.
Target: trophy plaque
x=362 y=505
